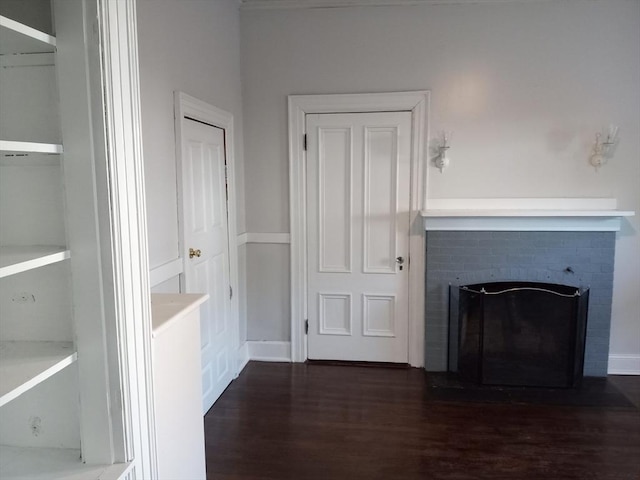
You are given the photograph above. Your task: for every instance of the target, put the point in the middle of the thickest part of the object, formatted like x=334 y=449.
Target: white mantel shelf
x=524 y=214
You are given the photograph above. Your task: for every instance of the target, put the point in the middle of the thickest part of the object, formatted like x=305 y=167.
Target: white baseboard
x=268 y=351
x=243 y=357
x=624 y=364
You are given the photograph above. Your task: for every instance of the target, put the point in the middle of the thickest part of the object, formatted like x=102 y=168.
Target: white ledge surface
x=522 y=214
x=168 y=308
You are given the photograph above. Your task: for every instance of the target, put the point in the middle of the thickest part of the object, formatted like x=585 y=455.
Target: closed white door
x=358 y=174
x=206 y=250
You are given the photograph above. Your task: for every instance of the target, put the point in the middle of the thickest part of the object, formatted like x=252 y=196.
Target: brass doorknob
x=194 y=253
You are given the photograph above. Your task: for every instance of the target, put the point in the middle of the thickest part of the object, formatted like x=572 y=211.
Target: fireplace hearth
x=520 y=334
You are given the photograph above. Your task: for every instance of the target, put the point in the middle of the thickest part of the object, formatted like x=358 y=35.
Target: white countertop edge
x=168 y=308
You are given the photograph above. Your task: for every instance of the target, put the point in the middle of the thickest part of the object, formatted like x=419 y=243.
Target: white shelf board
x=16 y=37
x=23 y=365
x=30 y=147
x=15 y=260
x=48 y=463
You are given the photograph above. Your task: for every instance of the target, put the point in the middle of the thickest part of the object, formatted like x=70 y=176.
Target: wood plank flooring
x=284 y=421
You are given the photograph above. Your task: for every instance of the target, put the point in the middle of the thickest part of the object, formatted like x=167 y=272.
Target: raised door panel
x=334 y=207
x=380 y=199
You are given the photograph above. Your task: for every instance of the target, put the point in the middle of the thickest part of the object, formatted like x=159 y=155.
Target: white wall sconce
x=603 y=149
x=442 y=160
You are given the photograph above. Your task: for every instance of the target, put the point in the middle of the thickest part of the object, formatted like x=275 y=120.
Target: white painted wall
x=523 y=87
x=194 y=47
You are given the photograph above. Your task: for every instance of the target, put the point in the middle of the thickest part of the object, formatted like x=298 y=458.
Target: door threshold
x=357 y=363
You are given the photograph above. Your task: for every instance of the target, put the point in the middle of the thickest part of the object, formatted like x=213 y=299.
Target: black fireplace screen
x=521 y=334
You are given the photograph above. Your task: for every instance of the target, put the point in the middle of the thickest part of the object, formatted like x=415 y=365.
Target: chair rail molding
x=417 y=102
x=272 y=238
x=166 y=271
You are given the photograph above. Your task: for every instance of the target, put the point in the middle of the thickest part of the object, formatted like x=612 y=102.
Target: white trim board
x=281 y=238
x=122 y=170
x=269 y=351
x=624 y=364
x=417 y=102
x=166 y=271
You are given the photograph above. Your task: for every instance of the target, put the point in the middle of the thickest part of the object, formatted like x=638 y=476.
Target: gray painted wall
x=192 y=46
x=523 y=86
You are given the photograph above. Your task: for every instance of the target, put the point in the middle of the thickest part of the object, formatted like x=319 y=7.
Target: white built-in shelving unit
x=41 y=420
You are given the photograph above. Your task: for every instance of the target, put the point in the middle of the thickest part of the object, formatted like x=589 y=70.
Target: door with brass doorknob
x=206 y=251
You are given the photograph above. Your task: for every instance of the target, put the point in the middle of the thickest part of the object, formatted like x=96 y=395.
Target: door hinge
x=306 y=327
x=304 y=142
x=230 y=292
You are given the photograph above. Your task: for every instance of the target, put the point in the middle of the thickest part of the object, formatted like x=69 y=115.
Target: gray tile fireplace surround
x=581 y=259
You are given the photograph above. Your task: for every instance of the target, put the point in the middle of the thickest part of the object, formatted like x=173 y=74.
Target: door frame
x=186 y=105
x=416 y=102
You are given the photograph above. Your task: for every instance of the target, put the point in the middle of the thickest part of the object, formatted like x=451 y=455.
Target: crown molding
x=311 y=4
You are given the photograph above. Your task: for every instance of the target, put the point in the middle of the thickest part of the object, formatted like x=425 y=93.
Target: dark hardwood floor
x=284 y=421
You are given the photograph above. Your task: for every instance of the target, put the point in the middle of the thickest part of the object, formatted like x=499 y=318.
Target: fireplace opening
x=521 y=334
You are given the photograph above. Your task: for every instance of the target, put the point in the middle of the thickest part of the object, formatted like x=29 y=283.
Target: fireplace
x=576 y=259
x=565 y=241
x=520 y=334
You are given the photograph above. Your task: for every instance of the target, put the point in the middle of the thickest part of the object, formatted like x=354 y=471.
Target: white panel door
x=358 y=174
x=206 y=250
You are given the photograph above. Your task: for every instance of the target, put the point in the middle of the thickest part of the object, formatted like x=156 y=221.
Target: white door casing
x=358 y=177
x=415 y=102
x=206 y=250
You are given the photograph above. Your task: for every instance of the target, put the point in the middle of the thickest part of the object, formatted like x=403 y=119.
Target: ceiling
x=288 y=4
